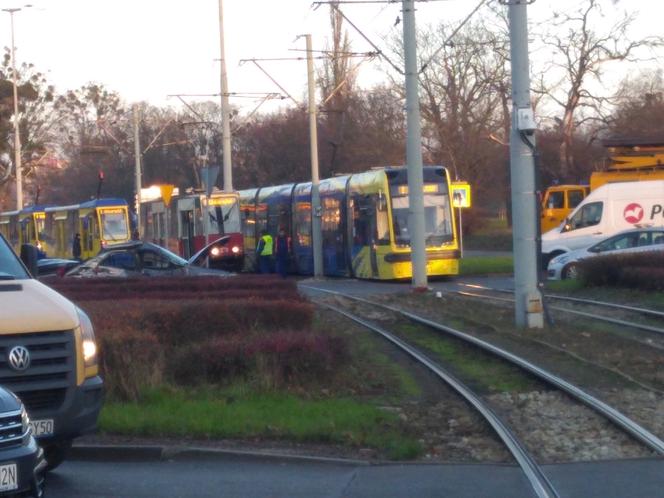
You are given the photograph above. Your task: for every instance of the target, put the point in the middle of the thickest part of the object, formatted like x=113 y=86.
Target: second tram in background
x=99 y=222
x=187 y=222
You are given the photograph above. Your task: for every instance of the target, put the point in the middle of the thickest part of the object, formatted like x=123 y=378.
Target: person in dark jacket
x=76 y=247
x=282 y=247
x=264 y=251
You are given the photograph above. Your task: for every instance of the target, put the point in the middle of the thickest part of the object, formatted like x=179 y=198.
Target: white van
x=604 y=212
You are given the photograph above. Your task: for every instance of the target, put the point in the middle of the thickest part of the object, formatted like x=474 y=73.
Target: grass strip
x=481 y=265
x=215 y=414
x=491 y=374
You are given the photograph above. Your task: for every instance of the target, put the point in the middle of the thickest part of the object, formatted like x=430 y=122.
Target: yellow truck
x=48 y=355
x=631 y=161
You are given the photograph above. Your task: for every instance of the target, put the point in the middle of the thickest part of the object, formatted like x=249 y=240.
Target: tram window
x=114 y=226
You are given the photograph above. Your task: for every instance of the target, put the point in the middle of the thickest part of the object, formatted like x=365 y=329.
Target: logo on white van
x=633 y=213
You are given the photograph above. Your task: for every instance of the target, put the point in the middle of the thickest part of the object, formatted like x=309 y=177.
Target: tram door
x=187 y=234
x=364 y=236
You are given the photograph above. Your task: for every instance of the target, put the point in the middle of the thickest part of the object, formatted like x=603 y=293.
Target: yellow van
x=48 y=355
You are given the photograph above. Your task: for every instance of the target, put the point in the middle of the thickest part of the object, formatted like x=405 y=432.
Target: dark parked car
x=22 y=462
x=53 y=266
x=142 y=258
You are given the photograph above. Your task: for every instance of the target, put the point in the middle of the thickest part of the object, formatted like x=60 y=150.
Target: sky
x=149 y=49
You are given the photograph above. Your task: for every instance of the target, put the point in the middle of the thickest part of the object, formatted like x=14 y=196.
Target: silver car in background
x=630 y=241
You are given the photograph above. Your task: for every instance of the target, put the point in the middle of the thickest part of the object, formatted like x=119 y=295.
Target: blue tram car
x=364 y=223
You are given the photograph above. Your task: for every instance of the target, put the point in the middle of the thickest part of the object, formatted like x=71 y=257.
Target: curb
x=113 y=452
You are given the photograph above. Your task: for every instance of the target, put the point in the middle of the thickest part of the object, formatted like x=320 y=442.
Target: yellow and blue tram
x=364 y=223
x=100 y=223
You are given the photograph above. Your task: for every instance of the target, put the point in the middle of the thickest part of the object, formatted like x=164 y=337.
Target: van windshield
x=10 y=267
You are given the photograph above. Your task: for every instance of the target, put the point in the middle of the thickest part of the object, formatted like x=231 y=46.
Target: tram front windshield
x=437 y=219
x=114 y=226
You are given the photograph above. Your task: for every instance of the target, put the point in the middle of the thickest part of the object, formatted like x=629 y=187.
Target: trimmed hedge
x=191 y=331
x=643 y=271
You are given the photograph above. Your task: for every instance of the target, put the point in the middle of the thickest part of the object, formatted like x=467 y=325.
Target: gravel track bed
x=552 y=425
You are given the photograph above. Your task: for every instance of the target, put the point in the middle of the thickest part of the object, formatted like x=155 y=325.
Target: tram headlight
x=235 y=249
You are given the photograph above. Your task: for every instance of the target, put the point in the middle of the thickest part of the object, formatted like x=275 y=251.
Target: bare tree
x=581 y=50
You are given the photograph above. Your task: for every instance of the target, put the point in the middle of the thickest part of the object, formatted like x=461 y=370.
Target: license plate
x=8 y=477
x=42 y=427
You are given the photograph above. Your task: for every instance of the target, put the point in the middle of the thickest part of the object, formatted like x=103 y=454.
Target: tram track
x=611 y=414
x=540 y=484
x=659 y=331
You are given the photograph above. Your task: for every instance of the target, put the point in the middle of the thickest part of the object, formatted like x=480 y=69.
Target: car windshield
x=10 y=266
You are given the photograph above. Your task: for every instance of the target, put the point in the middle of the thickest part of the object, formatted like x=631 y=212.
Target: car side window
x=658 y=237
x=556 y=200
x=574 y=198
x=123 y=260
x=589 y=215
x=154 y=261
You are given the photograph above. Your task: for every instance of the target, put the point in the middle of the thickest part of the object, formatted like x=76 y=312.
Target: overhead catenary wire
x=454 y=33
x=379 y=52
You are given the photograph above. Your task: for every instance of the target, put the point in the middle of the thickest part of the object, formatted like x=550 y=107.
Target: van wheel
x=571 y=271
x=56 y=453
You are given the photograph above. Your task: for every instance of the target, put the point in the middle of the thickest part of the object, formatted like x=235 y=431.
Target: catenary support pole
x=137 y=170
x=17 y=137
x=528 y=298
x=315 y=180
x=414 y=151
x=225 y=109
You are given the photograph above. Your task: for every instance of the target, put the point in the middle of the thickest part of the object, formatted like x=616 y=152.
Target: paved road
x=251 y=477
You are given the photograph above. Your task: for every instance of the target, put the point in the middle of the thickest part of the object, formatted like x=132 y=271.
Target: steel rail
x=644 y=311
x=616 y=321
x=617 y=418
x=537 y=479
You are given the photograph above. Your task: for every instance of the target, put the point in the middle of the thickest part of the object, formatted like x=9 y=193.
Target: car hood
x=198 y=270
x=8 y=401
x=575 y=255
x=30 y=306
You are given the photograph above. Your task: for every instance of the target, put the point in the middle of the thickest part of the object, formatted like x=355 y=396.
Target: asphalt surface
x=244 y=476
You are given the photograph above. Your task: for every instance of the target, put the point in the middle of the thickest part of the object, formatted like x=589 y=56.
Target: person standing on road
x=76 y=247
x=264 y=251
x=282 y=247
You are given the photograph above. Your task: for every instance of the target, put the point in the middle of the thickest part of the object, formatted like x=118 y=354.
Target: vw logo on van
x=633 y=213
x=19 y=358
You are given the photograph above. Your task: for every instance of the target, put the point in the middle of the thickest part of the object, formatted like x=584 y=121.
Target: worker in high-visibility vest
x=264 y=252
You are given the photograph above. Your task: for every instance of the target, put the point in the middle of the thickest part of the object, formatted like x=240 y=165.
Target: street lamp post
x=17 y=137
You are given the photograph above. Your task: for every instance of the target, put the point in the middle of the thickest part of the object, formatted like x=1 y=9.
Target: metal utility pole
x=529 y=309
x=414 y=151
x=316 y=232
x=137 y=154
x=225 y=108
x=17 y=136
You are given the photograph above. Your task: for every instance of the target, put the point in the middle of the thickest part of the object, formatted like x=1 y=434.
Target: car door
x=154 y=263
x=118 y=264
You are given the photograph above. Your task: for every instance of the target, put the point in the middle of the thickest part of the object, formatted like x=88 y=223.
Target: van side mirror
x=29 y=256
